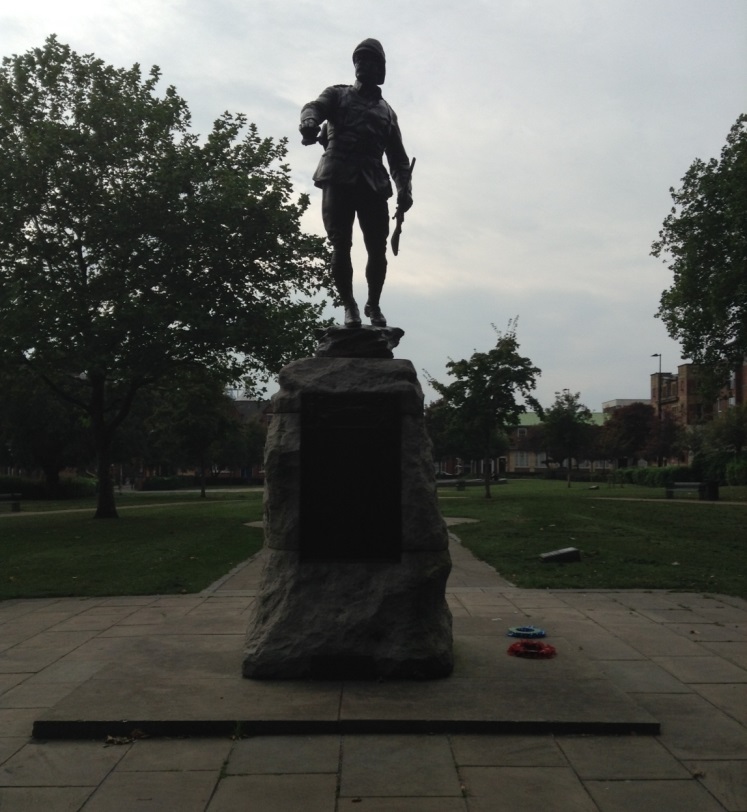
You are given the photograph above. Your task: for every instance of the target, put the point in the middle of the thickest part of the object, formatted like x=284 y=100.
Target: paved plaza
x=674 y=658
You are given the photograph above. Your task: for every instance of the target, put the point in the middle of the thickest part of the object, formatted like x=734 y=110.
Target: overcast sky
x=547 y=135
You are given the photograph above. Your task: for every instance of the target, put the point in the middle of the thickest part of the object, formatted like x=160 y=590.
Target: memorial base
x=354 y=586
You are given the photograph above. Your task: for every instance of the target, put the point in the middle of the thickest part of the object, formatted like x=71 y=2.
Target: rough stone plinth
x=366 y=616
x=357 y=342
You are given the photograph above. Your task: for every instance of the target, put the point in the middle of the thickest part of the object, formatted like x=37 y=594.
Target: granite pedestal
x=355 y=579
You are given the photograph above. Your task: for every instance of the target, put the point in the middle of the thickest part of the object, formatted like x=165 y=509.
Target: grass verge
x=628 y=541
x=179 y=543
x=153 y=549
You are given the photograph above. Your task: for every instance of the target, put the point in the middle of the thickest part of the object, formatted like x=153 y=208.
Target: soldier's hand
x=309 y=130
x=404 y=201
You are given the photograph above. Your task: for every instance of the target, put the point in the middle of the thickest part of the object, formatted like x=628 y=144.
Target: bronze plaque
x=351 y=494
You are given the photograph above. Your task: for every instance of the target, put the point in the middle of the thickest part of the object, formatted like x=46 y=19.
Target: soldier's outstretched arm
x=314 y=113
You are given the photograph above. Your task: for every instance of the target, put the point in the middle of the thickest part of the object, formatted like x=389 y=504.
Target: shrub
x=652 y=477
x=167 y=483
x=224 y=481
x=66 y=488
x=736 y=471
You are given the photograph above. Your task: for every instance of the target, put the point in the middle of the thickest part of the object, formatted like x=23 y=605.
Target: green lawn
x=180 y=546
x=628 y=540
x=176 y=543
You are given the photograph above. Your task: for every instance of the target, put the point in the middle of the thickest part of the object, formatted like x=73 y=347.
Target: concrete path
x=681 y=657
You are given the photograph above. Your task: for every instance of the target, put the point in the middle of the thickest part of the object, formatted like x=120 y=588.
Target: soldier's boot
x=373 y=312
x=352 y=314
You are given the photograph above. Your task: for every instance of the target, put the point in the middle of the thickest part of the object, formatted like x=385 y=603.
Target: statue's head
x=370 y=62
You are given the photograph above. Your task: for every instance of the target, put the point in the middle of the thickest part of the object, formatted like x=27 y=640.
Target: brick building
x=679 y=394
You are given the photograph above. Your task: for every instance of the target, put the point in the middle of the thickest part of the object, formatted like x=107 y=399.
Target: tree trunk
x=203 y=493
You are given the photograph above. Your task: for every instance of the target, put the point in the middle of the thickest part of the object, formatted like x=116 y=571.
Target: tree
x=668 y=439
x=567 y=428
x=482 y=400
x=728 y=431
x=251 y=449
x=630 y=431
x=130 y=250
x=441 y=430
x=191 y=420
x=533 y=440
x=704 y=243
x=39 y=431
x=595 y=449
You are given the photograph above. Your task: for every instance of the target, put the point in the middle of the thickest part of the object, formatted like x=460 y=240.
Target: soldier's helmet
x=373 y=46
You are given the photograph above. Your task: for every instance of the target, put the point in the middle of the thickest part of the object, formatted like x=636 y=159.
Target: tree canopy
x=489 y=392
x=37 y=430
x=629 y=432
x=130 y=248
x=190 y=419
x=704 y=242
x=567 y=425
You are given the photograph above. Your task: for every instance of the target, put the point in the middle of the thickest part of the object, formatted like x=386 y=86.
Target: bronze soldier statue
x=359 y=127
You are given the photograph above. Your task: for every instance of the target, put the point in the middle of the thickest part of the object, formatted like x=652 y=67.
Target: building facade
x=678 y=394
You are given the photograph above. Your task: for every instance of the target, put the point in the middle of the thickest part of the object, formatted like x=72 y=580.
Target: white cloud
x=547 y=137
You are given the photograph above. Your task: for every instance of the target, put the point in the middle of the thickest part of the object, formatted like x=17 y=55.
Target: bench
x=705 y=490
x=14 y=499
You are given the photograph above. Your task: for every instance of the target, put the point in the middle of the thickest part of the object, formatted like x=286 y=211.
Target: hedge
x=65 y=488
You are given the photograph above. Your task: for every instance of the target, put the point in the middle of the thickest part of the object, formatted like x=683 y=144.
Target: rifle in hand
x=399 y=216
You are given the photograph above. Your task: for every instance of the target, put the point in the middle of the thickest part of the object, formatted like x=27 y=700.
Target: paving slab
x=732 y=699
x=56 y=764
x=420 y=766
x=653 y=640
x=693 y=728
x=153 y=792
x=652 y=796
x=711 y=632
x=526 y=789
x=10 y=745
x=390 y=804
x=621 y=758
x=275 y=793
x=284 y=754
x=702 y=669
x=17 y=721
x=175 y=755
x=36 y=695
x=50 y=799
x=735 y=652
x=641 y=676
x=507 y=751
x=29 y=660
x=725 y=780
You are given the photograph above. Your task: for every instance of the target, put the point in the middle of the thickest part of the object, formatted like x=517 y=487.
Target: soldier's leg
x=373 y=216
x=338 y=215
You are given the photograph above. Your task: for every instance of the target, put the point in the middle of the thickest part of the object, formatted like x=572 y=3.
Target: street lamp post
x=658 y=410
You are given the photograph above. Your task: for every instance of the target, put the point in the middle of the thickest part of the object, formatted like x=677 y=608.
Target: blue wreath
x=529 y=632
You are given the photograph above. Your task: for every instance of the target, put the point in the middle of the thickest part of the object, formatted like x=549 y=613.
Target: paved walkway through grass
x=683 y=657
